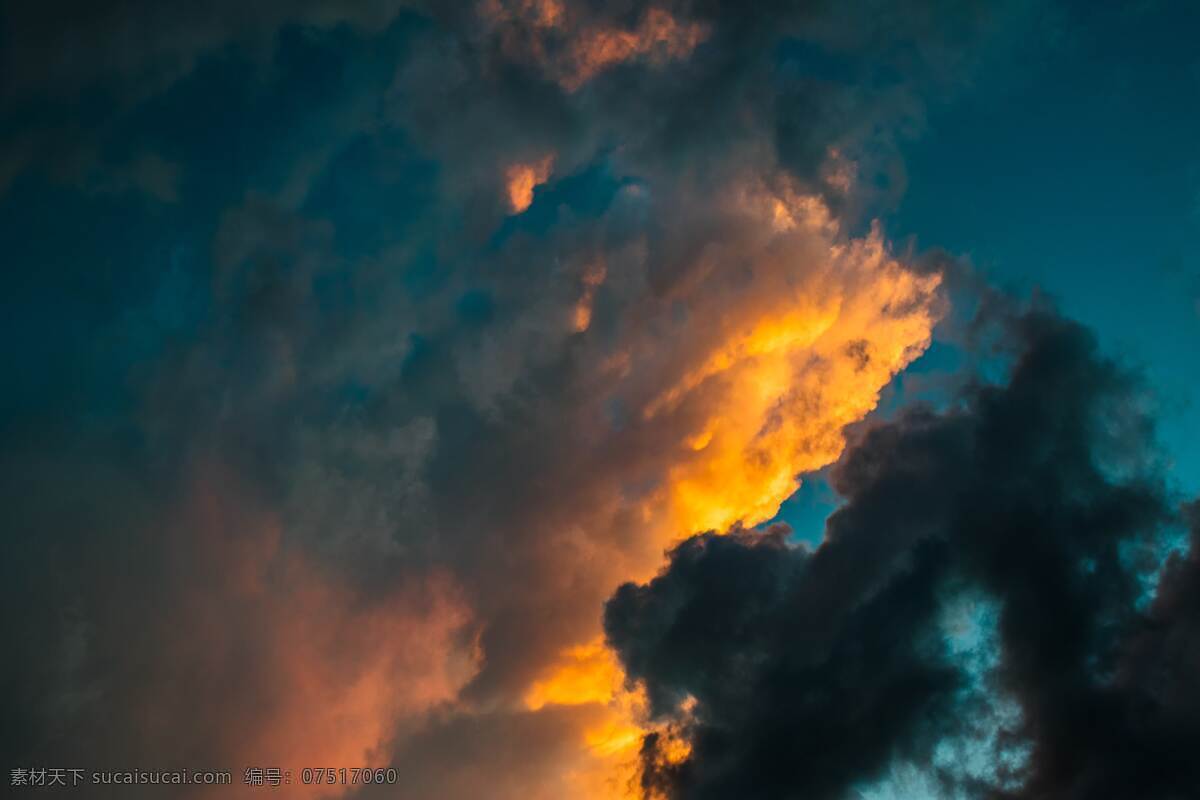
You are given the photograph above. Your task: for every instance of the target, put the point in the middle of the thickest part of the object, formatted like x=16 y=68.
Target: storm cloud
x=361 y=351
x=1034 y=512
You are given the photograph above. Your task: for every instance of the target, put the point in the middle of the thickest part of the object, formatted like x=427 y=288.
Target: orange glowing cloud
x=794 y=379
x=590 y=674
x=522 y=179
x=575 y=49
x=760 y=382
x=659 y=37
x=296 y=668
x=587 y=673
x=760 y=387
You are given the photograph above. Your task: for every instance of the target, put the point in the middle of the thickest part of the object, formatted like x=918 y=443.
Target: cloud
x=468 y=345
x=523 y=179
x=817 y=672
x=67 y=46
x=206 y=640
x=127 y=53
x=560 y=39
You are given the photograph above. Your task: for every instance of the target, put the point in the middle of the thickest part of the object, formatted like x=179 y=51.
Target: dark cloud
x=73 y=73
x=813 y=673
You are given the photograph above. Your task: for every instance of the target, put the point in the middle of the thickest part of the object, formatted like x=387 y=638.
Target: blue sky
x=1078 y=173
x=1073 y=169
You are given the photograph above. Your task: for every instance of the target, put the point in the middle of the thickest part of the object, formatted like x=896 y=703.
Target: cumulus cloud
x=524 y=294
x=1038 y=502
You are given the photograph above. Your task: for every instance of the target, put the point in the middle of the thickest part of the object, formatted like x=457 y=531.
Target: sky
x=1097 y=109
x=562 y=399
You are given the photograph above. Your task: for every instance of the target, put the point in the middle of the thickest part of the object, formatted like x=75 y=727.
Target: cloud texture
x=392 y=338
x=1010 y=543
